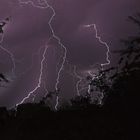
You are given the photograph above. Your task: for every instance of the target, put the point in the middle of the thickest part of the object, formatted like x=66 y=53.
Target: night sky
x=27 y=34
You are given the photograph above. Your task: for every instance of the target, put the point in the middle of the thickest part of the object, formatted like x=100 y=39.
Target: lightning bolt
x=107 y=52
x=93 y=76
x=39 y=80
x=59 y=42
x=102 y=42
x=78 y=82
x=57 y=103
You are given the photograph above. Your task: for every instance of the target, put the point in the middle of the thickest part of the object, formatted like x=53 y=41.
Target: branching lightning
x=43 y=4
x=89 y=72
x=59 y=42
x=40 y=77
x=107 y=52
x=43 y=58
x=92 y=75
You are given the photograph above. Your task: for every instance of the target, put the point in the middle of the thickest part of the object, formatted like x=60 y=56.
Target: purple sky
x=28 y=31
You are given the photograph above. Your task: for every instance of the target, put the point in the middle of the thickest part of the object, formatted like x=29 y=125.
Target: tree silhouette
x=125 y=77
